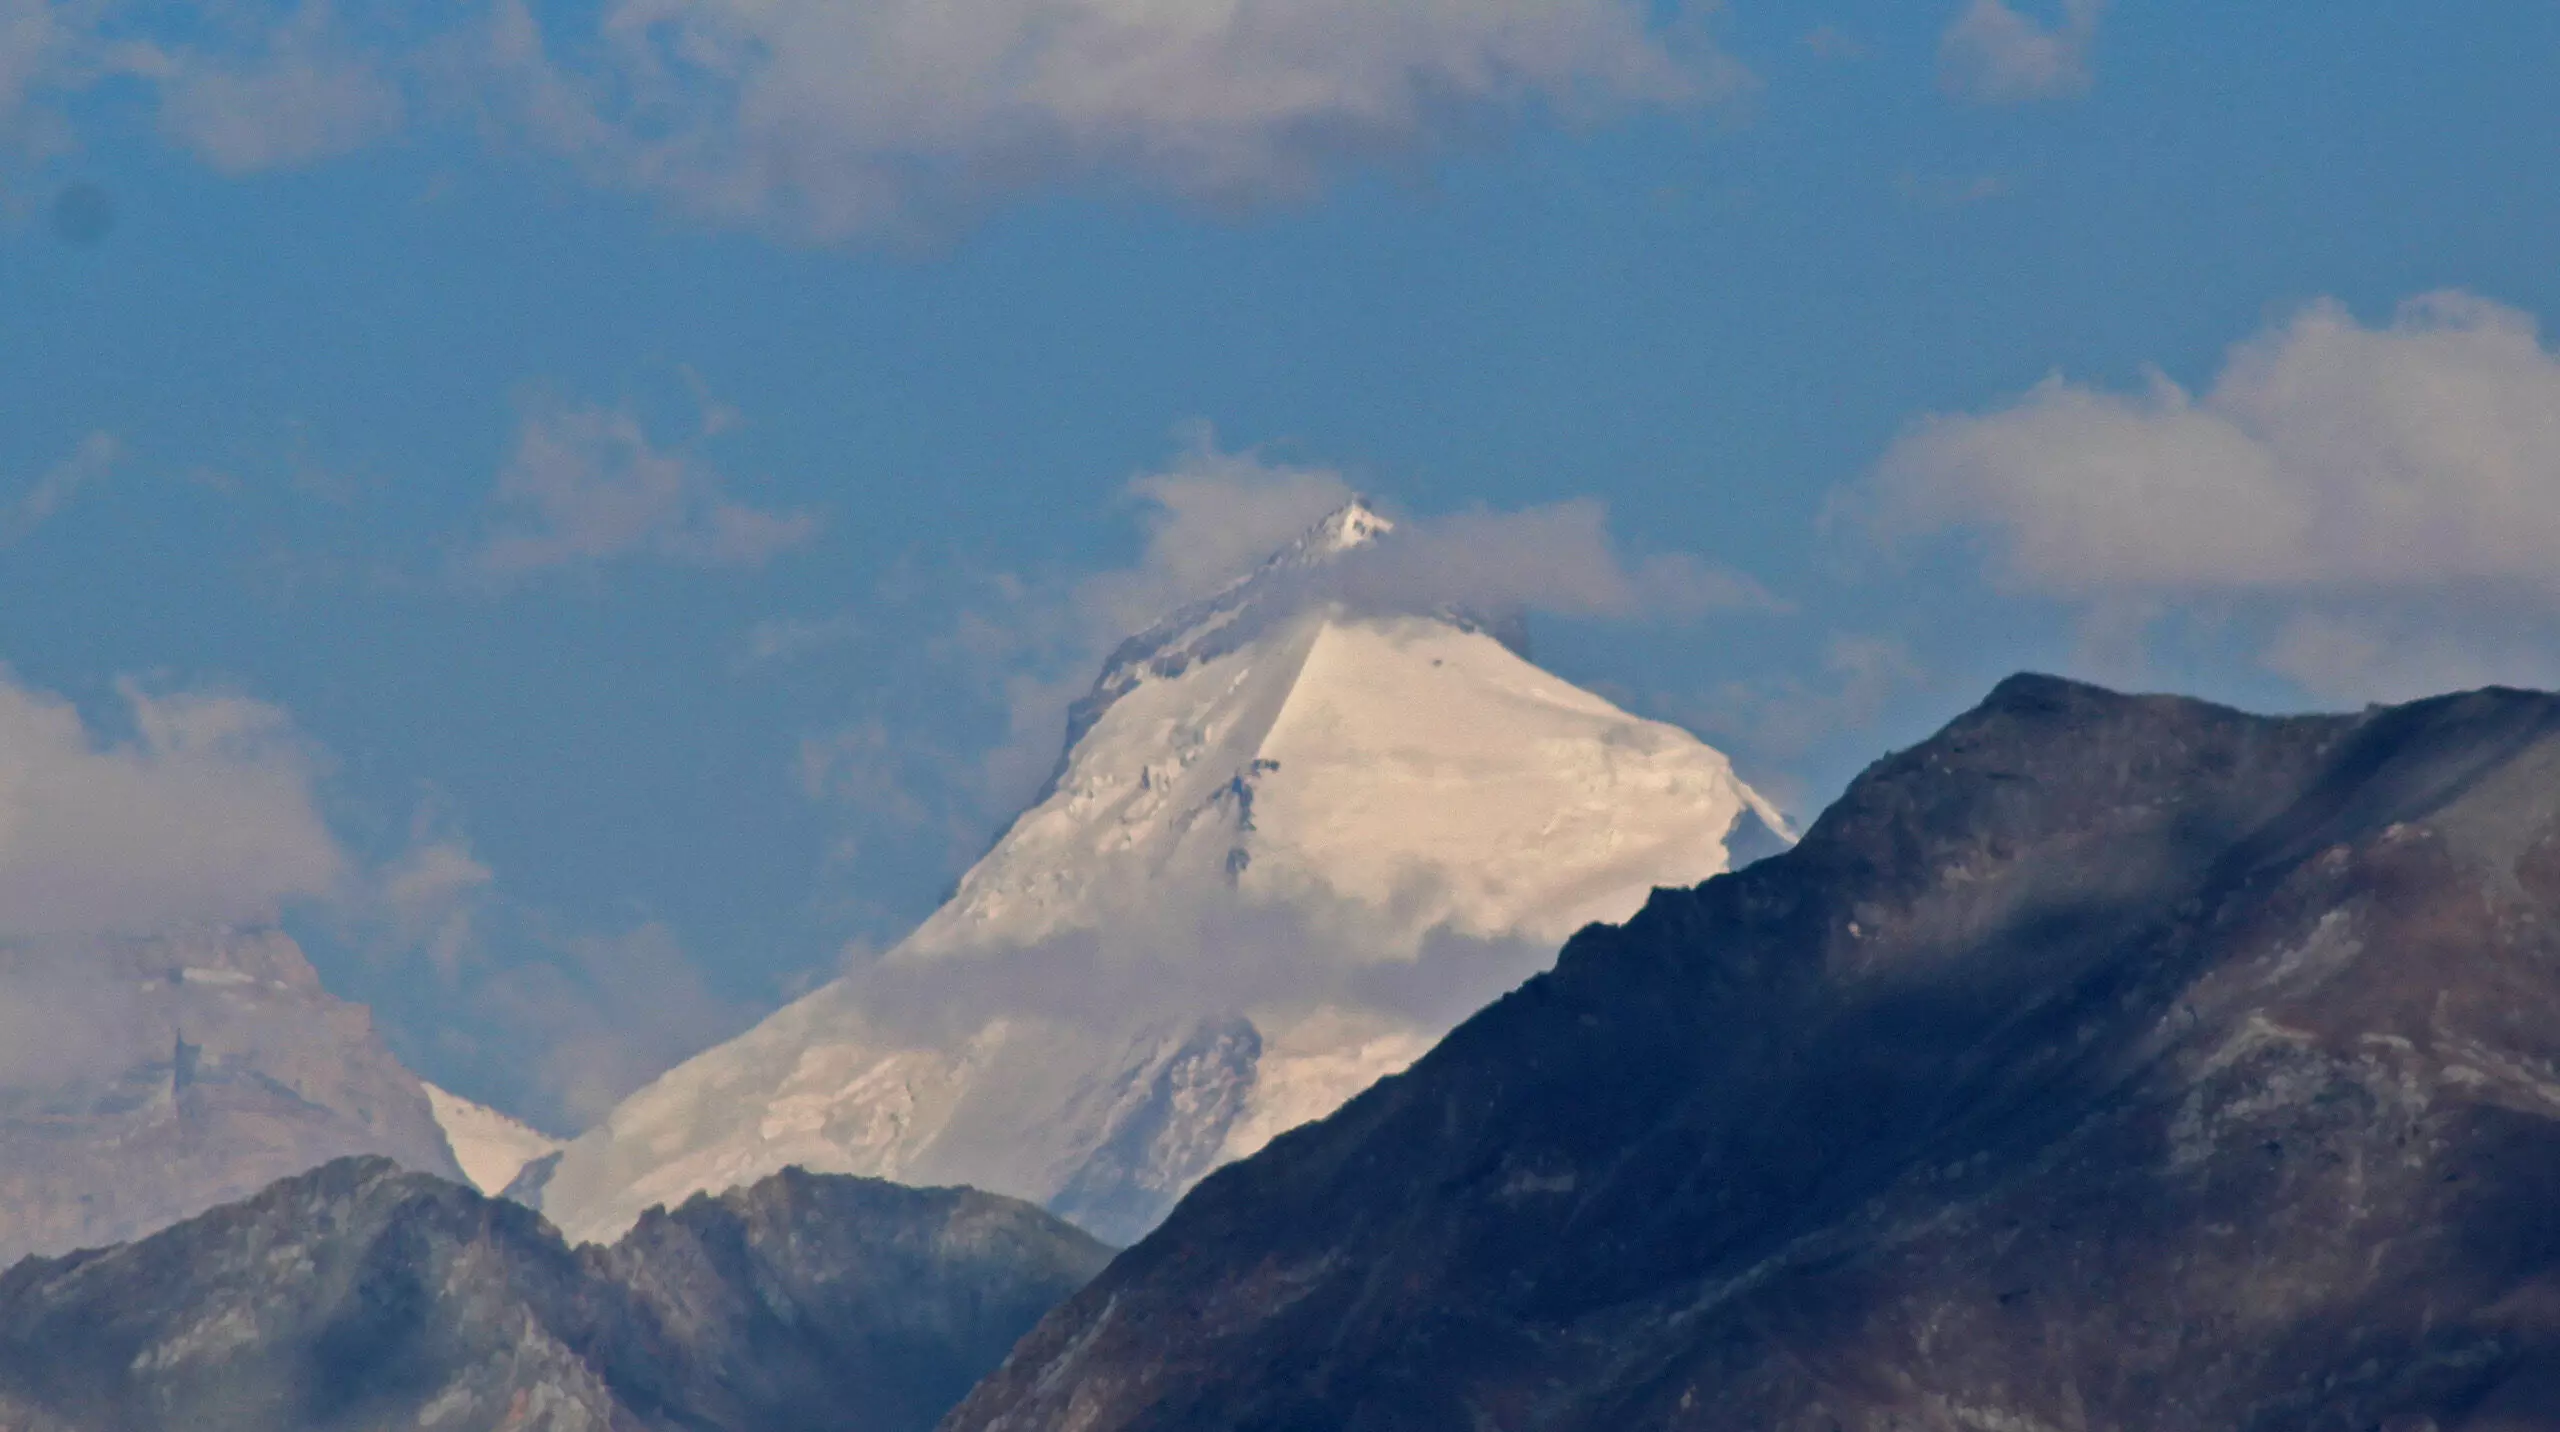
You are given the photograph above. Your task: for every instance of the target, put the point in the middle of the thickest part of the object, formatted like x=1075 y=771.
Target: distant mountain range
x=2103 y=1062
x=359 y=1297
x=1294 y=837
x=142 y=1081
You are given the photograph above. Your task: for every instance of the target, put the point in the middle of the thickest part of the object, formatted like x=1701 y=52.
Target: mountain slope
x=1293 y=838
x=2102 y=1062
x=359 y=1297
x=157 y=1078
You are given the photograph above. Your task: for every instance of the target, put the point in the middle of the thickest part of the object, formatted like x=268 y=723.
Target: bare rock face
x=2103 y=1062
x=146 y=1081
x=359 y=1296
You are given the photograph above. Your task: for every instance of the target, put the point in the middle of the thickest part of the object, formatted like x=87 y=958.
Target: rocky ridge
x=2103 y=1062
x=360 y=1296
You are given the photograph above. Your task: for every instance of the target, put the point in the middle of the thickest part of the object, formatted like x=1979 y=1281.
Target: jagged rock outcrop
x=359 y=1296
x=144 y=1081
x=2101 y=1063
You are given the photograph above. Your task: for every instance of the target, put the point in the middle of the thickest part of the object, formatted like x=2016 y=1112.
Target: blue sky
x=618 y=492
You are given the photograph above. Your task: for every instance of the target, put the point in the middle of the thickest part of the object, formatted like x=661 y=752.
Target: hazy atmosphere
x=594 y=514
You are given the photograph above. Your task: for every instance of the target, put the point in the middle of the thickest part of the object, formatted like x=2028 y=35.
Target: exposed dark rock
x=2103 y=1062
x=359 y=1296
x=144 y=1081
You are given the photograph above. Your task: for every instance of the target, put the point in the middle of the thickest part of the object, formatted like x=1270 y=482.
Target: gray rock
x=362 y=1296
x=2103 y=1062
x=144 y=1081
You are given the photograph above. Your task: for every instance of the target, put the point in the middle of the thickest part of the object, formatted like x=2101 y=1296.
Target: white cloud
x=866 y=766
x=30 y=32
x=1991 y=54
x=829 y=118
x=2421 y=454
x=586 y=486
x=1556 y=558
x=1138 y=962
x=253 y=84
x=607 y=1016
x=838 y=116
x=1209 y=518
x=2339 y=478
x=302 y=101
x=1782 y=719
x=2399 y=651
x=1214 y=515
x=87 y=466
x=431 y=897
x=206 y=816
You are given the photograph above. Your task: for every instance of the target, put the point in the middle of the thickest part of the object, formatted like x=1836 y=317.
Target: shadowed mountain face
x=361 y=1297
x=2103 y=1062
x=144 y=1081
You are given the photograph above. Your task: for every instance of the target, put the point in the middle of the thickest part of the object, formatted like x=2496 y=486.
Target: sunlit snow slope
x=491 y=1147
x=1290 y=845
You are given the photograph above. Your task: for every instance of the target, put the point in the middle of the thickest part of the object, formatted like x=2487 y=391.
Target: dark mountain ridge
x=2102 y=1062
x=360 y=1296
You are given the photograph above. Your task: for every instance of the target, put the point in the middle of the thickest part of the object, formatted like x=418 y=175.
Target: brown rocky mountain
x=2102 y=1062
x=144 y=1081
x=358 y=1296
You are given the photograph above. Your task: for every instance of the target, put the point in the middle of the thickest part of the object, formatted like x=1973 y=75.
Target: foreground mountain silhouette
x=358 y=1296
x=2102 y=1062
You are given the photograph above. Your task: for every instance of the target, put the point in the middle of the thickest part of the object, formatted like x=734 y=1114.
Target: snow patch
x=491 y=1147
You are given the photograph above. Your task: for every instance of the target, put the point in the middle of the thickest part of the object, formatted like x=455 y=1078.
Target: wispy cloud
x=2337 y=476
x=304 y=97
x=246 y=87
x=601 y=1015
x=87 y=466
x=779 y=639
x=586 y=486
x=1992 y=54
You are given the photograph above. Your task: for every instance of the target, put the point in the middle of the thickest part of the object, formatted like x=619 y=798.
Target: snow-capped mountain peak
x=1353 y=524
x=1311 y=836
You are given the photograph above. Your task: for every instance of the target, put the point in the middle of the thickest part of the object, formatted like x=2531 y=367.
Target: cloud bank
x=825 y=119
x=842 y=116
x=206 y=815
x=2390 y=495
